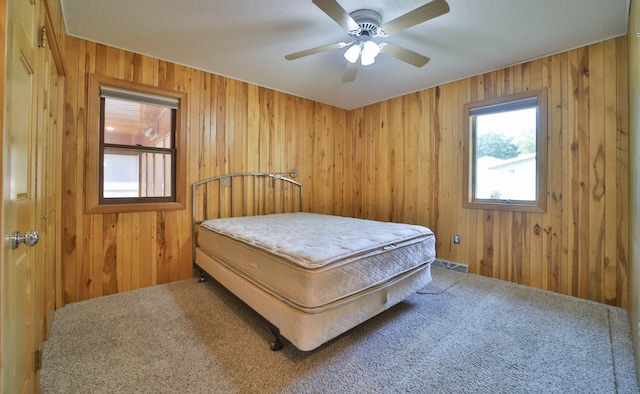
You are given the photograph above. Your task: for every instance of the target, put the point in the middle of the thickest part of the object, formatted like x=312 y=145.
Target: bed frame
x=251 y=194
x=244 y=194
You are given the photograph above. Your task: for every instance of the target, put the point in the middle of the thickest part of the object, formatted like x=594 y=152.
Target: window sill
x=505 y=206
x=119 y=208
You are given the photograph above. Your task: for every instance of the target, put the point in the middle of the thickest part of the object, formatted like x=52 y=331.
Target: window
x=135 y=136
x=505 y=151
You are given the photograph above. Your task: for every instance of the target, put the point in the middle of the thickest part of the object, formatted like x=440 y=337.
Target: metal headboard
x=243 y=194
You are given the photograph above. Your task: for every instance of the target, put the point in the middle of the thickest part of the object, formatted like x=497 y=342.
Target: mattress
x=313 y=262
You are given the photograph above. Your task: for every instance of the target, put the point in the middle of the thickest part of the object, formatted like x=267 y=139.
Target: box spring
x=307 y=331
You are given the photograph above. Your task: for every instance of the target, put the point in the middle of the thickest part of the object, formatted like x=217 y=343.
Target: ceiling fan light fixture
x=367 y=60
x=369 y=52
x=352 y=53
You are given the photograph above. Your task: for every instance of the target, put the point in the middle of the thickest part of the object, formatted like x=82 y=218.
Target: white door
x=19 y=325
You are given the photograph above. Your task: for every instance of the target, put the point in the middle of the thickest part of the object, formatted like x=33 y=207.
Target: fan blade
x=404 y=54
x=338 y=14
x=412 y=18
x=352 y=70
x=313 y=51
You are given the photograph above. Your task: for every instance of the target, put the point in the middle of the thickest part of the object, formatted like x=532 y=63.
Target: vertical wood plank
x=623 y=203
x=584 y=175
x=563 y=185
x=125 y=257
x=553 y=219
x=109 y=252
x=596 y=154
x=136 y=274
x=69 y=201
x=610 y=160
x=572 y=181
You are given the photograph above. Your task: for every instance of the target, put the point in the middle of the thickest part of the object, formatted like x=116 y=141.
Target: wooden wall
x=398 y=160
x=232 y=127
x=406 y=165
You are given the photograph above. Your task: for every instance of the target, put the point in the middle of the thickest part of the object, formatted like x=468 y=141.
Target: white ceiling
x=248 y=39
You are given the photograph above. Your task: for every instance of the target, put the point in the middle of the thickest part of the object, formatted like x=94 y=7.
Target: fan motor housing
x=369 y=22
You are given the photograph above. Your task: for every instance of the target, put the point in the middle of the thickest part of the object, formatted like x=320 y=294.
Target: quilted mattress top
x=315 y=240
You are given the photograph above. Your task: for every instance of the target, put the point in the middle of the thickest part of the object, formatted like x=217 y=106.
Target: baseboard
x=450 y=265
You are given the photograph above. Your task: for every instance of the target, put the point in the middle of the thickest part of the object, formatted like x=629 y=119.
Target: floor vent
x=450 y=266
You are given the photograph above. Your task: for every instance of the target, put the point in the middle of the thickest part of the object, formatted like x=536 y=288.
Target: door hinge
x=38 y=360
x=43 y=37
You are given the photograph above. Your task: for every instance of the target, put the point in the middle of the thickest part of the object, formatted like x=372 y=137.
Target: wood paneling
x=231 y=127
x=398 y=160
x=579 y=245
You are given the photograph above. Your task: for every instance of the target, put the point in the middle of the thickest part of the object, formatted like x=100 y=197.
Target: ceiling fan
x=365 y=25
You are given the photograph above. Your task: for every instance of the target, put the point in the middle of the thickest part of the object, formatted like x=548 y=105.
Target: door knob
x=29 y=238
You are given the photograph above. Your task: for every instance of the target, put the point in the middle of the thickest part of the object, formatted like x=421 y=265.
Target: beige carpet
x=461 y=334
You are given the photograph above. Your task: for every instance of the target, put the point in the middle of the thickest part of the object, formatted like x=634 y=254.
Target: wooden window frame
x=539 y=205
x=93 y=156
